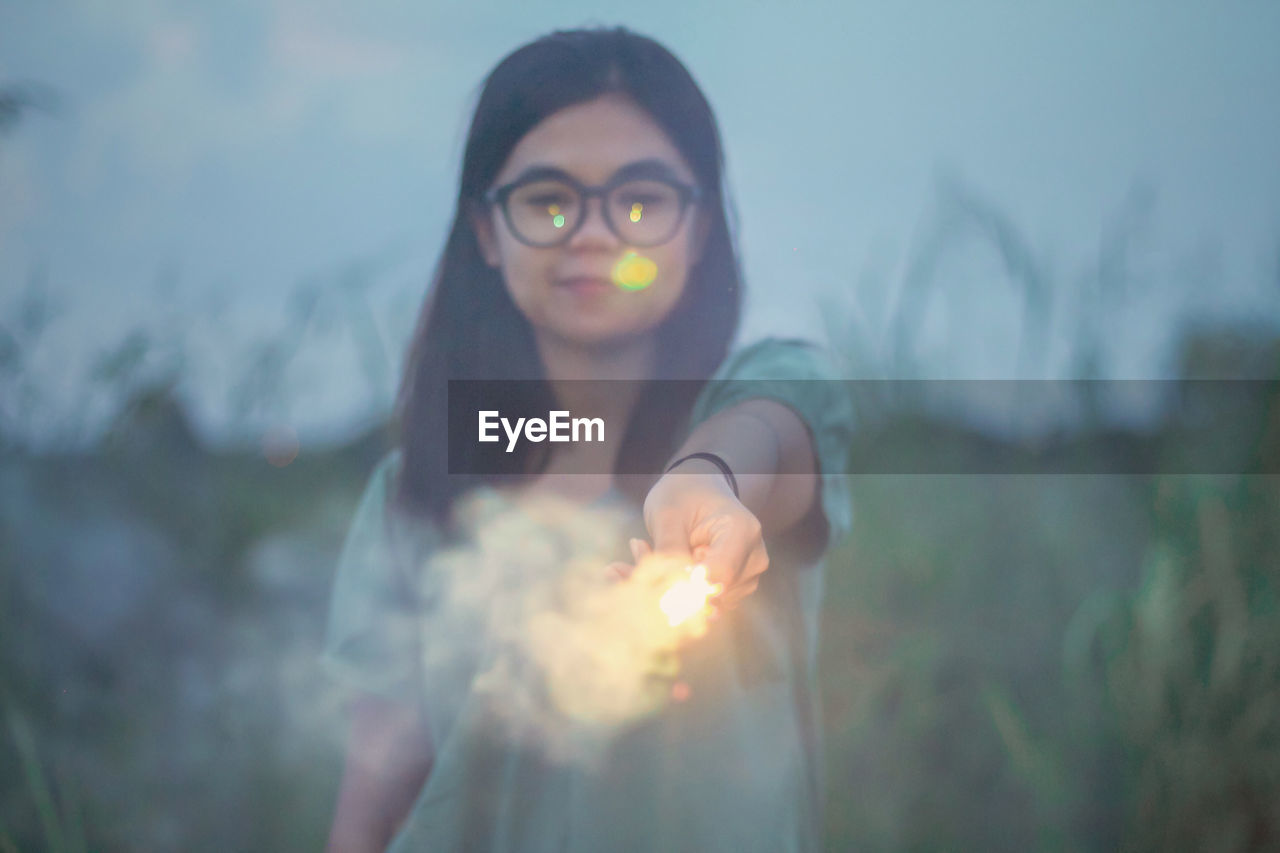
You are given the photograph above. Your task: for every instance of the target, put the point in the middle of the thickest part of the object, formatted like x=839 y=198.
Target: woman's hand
x=691 y=511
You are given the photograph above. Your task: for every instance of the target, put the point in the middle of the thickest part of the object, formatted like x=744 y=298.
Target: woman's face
x=577 y=291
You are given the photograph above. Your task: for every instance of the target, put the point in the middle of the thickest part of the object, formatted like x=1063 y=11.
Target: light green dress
x=735 y=766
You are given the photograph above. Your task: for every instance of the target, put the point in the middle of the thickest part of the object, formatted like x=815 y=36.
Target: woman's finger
x=734 y=597
x=748 y=581
x=730 y=543
x=618 y=570
x=757 y=563
x=669 y=532
x=639 y=550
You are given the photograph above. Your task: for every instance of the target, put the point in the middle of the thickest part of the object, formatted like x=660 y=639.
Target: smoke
x=562 y=652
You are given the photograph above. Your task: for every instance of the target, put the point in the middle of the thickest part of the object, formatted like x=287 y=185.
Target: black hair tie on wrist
x=714 y=460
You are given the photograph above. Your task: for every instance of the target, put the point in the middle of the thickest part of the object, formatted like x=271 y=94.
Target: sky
x=210 y=173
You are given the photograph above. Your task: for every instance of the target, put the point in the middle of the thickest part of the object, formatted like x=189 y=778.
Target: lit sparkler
x=688 y=598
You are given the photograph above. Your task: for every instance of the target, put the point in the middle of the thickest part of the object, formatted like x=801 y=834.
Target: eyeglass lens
x=639 y=212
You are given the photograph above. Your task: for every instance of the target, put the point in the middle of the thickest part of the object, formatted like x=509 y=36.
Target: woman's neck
x=632 y=358
x=622 y=364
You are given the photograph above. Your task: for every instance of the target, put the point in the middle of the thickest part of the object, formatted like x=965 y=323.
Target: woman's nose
x=594 y=229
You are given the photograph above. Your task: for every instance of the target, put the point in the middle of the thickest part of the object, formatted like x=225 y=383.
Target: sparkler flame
x=687 y=598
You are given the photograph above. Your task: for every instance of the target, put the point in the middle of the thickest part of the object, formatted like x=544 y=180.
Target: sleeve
x=371 y=640
x=801 y=376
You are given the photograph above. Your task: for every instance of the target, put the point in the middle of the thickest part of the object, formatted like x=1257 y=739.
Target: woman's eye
x=643 y=200
x=547 y=201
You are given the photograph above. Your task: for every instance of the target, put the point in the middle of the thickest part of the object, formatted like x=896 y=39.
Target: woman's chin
x=593 y=335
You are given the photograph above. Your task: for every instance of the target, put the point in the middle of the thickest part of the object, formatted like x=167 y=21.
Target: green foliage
x=122 y=363
x=61 y=824
x=1008 y=663
x=948 y=724
x=1194 y=678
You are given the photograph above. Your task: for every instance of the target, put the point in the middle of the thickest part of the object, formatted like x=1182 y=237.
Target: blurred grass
x=1008 y=663
x=952 y=727
x=948 y=724
x=60 y=821
x=1194 y=679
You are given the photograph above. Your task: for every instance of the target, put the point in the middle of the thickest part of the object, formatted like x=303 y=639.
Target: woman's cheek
x=529 y=284
x=673 y=278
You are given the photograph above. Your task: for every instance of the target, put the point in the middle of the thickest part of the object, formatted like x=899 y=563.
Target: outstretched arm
x=693 y=510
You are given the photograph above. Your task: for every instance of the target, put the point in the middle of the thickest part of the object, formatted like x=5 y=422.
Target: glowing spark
x=634 y=272
x=637 y=210
x=687 y=598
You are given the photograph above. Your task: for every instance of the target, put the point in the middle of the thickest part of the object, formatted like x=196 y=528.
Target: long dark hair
x=469 y=328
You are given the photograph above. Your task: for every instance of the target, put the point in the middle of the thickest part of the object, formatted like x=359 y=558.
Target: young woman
x=590 y=242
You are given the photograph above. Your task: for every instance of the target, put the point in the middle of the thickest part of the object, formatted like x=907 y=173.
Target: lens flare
x=637 y=210
x=634 y=272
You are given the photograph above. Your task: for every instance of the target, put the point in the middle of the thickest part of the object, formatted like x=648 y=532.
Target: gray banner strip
x=914 y=426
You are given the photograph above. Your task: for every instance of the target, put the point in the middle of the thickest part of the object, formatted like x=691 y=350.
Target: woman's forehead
x=592 y=140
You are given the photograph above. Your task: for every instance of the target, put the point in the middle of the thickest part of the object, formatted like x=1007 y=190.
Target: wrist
x=706 y=463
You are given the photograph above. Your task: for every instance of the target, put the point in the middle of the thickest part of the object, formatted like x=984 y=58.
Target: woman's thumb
x=639 y=549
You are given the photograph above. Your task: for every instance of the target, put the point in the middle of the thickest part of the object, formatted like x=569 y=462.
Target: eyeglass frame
x=689 y=196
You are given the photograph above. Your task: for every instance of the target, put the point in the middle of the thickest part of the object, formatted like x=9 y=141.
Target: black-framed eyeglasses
x=547 y=208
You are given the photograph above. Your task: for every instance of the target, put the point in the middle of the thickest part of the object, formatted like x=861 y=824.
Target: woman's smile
x=586 y=285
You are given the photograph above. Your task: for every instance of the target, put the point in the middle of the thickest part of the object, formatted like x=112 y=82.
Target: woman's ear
x=482 y=225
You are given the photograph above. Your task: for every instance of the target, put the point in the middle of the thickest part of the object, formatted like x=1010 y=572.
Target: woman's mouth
x=585 y=285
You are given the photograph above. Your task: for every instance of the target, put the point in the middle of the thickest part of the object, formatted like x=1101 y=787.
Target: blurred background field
x=215 y=229
x=1049 y=661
